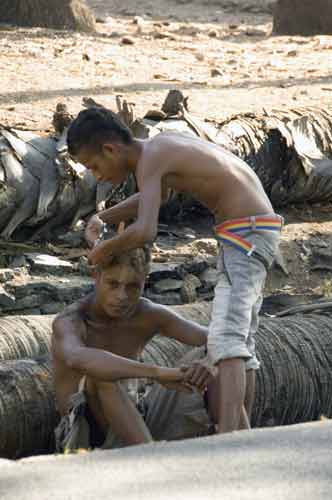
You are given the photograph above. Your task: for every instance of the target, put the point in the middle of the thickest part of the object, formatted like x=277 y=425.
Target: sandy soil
x=177 y=44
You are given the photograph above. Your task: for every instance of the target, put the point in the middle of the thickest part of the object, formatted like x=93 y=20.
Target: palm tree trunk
x=290 y=151
x=294 y=383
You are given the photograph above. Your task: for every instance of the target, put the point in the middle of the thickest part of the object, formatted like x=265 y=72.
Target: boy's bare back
x=211 y=174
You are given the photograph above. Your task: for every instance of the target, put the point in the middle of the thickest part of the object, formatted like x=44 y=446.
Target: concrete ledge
x=278 y=463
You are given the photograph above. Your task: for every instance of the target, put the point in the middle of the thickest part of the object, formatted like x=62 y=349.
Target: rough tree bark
x=289 y=150
x=294 y=383
x=302 y=17
x=58 y=14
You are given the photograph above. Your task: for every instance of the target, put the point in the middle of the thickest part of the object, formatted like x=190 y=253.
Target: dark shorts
x=168 y=414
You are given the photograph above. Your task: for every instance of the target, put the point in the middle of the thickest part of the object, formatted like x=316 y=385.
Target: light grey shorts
x=238 y=298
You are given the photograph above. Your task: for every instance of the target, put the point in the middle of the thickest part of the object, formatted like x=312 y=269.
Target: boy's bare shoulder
x=74 y=313
x=153 y=310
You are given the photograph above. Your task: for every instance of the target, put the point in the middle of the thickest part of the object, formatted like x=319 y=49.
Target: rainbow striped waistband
x=227 y=231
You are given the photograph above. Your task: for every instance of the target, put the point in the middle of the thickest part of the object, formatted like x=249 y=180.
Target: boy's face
x=118 y=289
x=108 y=164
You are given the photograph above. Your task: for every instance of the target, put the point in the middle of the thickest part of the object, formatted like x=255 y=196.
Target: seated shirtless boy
x=96 y=345
x=246 y=225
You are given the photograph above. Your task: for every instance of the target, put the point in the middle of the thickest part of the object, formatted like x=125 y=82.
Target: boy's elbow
x=145 y=236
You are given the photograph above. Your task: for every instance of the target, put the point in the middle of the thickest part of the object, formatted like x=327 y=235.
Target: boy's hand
x=172 y=378
x=99 y=254
x=197 y=375
x=93 y=229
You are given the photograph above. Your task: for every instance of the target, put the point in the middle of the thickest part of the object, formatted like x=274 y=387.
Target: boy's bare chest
x=127 y=340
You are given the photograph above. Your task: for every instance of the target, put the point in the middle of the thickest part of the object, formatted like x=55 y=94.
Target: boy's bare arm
x=143 y=231
x=123 y=211
x=68 y=345
x=175 y=326
x=170 y=324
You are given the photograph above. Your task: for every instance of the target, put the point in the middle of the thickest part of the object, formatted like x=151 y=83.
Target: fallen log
x=42 y=189
x=30 y=336
x=24 y=336
x=27 y=408
x=294 y=383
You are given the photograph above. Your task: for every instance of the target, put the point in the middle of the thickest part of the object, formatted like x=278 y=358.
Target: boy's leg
x=230 y=343
x=250 y=392
x=232 y=391
x=213 y=400
x=113 y=408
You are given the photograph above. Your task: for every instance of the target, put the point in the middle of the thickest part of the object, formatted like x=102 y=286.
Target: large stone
x=189 y=288
x=165 y=270
x=28 y=302
x=6 y=299
x=6 y=275
x=167 y=299
x=209 y=278
x=48 y=263
x=167 y=285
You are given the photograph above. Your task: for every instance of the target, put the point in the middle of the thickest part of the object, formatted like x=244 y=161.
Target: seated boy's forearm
x=108 y=367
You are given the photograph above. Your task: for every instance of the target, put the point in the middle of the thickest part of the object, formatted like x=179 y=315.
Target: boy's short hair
x=138 y=258
x=93 y=127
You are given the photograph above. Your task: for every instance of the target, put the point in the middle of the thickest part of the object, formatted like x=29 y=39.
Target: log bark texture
x=59 y=14
x=302 y=17
x=294 y=383
x=42 y=190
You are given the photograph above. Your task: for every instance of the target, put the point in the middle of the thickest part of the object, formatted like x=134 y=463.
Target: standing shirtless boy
x=246 y=225
x=95 y=345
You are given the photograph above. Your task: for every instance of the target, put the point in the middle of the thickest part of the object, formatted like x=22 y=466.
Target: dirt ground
x=175 y=44
x=221 y=54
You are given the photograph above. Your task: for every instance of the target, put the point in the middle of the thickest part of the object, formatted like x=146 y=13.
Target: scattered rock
x=207 y=245
x=195 y=266
x=255 y=32
x=321 y=258
x=279 y=261
x=28 y=302
x=199 y=56
x=168 y=299
x=6 y=275
x=167 y=285
x=19 y=261
x=165 y=270
x=6 y=299
x=127 y=40
x=292 y=53
x=213 y=34
x=53 y=308
x=215 y=72
x=189 y=288
x=48 y=263
x=209 y=278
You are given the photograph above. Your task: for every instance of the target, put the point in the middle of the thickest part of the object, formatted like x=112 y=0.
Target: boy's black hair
x=139 y=259
x=93 y=127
